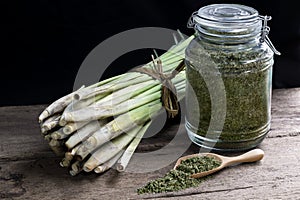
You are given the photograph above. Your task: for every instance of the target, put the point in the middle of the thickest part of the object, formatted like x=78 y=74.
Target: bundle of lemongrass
x=100 y=126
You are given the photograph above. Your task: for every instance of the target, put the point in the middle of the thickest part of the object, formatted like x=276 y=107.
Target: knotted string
x=168 y=90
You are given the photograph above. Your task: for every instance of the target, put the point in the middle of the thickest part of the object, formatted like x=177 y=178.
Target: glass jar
x=229 y=78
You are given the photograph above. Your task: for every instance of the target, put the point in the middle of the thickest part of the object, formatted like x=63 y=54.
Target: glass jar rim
x=226 y=17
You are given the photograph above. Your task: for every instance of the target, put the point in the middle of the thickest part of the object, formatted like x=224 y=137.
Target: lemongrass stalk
x=93 y=112
x=175 y=38
x=76 y=168
x=168 y=63
x=75 y=105
x=109 y=80
x=180 y=88
x=120 y=85
x=57 y=106
x=117 y=79
x=60 y=104
x=124 y=82
x=108 y=164
x=152 y=90
x=180 y=34
x=109 y=150
x=174 y=56
x=180 y=84
x=84 y=132
x=174 y=53
x=90 y=90
x=59 y=134
x=78 y=104
x=105 y=110
x=62 y=121
x=172 y=62
x=66 y=161
x=180 y=92
x=50 y=123
x=126 y=93
x=120 y=124
x=179 y=78
x=73 y=126
x=157 y=88
x=48 y=137
x=73 y=173
x=132 y=104
x=126 y=156
x=50 y=119
x=109 y=89
x=57 y=147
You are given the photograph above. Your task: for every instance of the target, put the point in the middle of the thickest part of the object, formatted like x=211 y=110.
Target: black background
x=44 y=42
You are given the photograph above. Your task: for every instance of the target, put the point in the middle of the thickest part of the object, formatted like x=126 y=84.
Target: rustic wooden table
x=29 y=170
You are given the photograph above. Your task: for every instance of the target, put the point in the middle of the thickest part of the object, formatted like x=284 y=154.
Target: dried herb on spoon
x=180 y=178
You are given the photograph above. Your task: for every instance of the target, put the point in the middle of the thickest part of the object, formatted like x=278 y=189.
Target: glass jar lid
x=228 y=13
x=226 y=19
x=231 y=22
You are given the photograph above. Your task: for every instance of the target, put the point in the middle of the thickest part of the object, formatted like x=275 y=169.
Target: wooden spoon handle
x=251 y=156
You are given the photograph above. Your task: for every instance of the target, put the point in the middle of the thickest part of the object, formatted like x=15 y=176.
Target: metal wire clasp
x=264 y=33
x=191 y=22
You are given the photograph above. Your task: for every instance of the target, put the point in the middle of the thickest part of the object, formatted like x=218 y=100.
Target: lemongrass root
x=125 y=158
x=109 y=150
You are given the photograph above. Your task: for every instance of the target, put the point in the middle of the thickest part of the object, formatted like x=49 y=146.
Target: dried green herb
x=179 y=178
x=246 y=75
x=198 y=164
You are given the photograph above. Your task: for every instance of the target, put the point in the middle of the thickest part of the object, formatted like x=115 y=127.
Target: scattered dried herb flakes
x=180 y=179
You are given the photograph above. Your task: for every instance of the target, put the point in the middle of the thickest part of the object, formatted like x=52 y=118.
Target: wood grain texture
x=29 y=170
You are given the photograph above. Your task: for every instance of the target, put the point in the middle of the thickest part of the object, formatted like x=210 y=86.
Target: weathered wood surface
x=29 y=170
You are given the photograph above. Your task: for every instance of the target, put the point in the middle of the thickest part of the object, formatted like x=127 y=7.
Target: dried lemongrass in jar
x=229 y=76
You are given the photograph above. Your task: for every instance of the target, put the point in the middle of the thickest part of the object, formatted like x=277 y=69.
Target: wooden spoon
x=250 y=156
